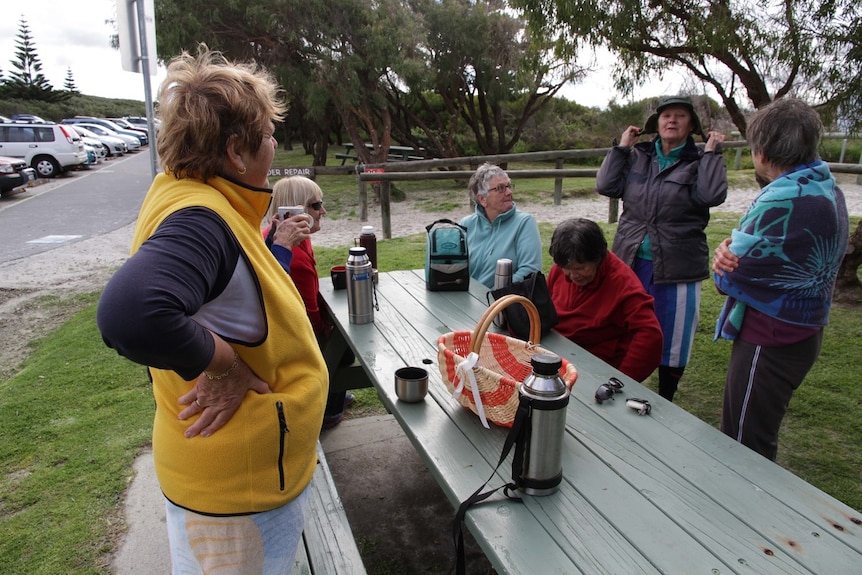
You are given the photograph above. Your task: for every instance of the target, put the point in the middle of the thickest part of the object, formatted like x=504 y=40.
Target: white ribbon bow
x=464 y=370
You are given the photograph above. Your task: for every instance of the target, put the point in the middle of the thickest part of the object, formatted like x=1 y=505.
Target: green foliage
x=74 y=105
x=72 y=421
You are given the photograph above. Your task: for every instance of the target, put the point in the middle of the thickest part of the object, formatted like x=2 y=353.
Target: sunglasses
x=316 y=205
x=607 y=390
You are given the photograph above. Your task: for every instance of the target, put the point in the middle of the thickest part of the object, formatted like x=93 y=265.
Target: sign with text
x=374 y=171
x=277 y=172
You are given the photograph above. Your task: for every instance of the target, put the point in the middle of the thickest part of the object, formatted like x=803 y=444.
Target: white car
x=114 y=146
x=132 y=142
x=50 y=149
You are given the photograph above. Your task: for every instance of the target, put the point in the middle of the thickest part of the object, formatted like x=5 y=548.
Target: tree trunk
x=848 y=288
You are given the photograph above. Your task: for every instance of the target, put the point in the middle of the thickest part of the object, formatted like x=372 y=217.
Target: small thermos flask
x=502 y=278
x=368 y=240
x=542 y=469
x=360 y=288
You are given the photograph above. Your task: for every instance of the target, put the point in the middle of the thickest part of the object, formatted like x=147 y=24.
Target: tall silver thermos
x=502 y=278
x=360 y=288
x=542 y=468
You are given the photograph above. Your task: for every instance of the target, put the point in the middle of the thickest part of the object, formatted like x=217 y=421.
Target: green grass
x=72 y=421
x=76 y=415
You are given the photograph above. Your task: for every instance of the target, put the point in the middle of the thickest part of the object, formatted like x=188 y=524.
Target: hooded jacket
x=671 y=205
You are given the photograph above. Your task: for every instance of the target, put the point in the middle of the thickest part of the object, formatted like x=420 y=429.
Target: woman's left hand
x=724 y=260
x=215 y=401
x=713 y=139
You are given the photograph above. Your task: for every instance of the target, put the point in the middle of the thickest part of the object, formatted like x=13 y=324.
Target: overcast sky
x=73 y=34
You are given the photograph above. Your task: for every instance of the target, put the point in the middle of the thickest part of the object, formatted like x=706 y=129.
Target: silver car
x=115 y=146
x=132 y=142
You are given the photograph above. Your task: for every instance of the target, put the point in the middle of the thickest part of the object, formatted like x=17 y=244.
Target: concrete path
x=399 y=516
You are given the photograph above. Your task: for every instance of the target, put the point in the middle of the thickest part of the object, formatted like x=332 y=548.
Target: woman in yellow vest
x=238 y=378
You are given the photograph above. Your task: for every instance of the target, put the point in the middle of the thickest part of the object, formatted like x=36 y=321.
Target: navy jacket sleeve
x=145 y=310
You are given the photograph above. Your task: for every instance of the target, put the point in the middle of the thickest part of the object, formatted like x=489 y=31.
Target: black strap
x=518 y=437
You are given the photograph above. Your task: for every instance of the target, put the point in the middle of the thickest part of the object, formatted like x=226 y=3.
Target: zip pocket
x=283 y=430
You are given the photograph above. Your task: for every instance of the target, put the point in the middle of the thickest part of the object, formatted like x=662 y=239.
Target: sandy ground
x=86 y=266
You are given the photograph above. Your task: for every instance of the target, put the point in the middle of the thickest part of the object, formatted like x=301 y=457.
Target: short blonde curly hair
x=205 y=100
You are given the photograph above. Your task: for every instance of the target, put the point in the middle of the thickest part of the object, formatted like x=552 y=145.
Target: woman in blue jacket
x=497 y=230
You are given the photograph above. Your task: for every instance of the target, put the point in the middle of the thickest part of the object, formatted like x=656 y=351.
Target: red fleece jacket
x=613 y=317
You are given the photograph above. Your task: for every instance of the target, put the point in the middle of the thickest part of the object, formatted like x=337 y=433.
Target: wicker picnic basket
x=499 y=364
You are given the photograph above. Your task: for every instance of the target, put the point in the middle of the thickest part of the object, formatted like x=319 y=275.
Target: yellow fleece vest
x=249 y=465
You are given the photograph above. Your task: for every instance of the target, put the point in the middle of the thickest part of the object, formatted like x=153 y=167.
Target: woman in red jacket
x=301 y=191
x=600 y=302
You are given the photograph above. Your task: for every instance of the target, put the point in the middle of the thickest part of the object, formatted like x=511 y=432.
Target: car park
x=50 y=149
x=114 y=145
x=132 y=142
x=125 y=124
x=143 y=138
x=14 y=173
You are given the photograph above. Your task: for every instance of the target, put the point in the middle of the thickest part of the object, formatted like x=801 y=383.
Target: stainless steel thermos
x=360 y=287
x=542 y=468
x=502 y=278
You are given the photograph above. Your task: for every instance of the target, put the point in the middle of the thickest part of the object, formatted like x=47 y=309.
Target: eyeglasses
x=501 y=189
x=607 y=390
x=316 y=205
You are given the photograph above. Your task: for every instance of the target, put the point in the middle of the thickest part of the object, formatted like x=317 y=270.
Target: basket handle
x=498 y=306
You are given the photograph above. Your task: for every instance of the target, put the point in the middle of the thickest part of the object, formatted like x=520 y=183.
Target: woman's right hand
x=291 y=232
x=630 y=136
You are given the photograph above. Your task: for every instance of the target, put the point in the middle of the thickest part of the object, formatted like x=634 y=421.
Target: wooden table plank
x=661 y=493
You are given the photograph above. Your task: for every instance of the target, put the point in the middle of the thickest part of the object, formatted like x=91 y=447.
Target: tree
x=479 y=69
x=747 y=51
x=69 y=84
x=28 y=82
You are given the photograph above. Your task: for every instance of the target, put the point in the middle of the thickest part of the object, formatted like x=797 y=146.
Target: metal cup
x=411 y=384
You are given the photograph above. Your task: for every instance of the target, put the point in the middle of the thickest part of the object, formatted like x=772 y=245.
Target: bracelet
x=226 y=372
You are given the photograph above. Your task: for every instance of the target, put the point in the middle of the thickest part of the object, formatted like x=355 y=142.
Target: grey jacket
x=672 y=206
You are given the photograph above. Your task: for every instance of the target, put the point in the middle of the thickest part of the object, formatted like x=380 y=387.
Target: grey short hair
x=787 y=132
x=478 y=185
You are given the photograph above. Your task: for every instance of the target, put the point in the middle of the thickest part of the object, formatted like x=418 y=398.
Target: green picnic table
x=659 y=493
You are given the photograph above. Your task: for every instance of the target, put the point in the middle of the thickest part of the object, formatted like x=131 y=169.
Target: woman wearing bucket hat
x=667 y=186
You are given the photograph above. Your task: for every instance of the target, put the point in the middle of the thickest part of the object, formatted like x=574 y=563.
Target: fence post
x=363 y=201
x=613 y=210
x=384 y=210
x=738 y=161
x=558 y=185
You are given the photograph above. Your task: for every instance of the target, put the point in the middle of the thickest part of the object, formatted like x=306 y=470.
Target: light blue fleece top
x=513 y=235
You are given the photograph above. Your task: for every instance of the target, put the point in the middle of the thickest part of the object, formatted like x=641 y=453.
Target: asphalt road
x=74 y=207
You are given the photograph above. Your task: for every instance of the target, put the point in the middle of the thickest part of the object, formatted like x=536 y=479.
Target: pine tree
x=27 y=81
x=69 y=84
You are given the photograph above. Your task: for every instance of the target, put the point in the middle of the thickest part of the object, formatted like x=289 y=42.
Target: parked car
x=100 y=149
x=132 y=142
x=5 y=120
x=142 y=122
x=50 y=149
x=125 y=124
x=143 y=138
x=114 y=145
x=29 y=119
x=14 y=173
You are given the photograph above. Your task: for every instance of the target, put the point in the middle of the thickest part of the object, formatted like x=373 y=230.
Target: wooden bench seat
x=345 y=157
x=328 y=546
